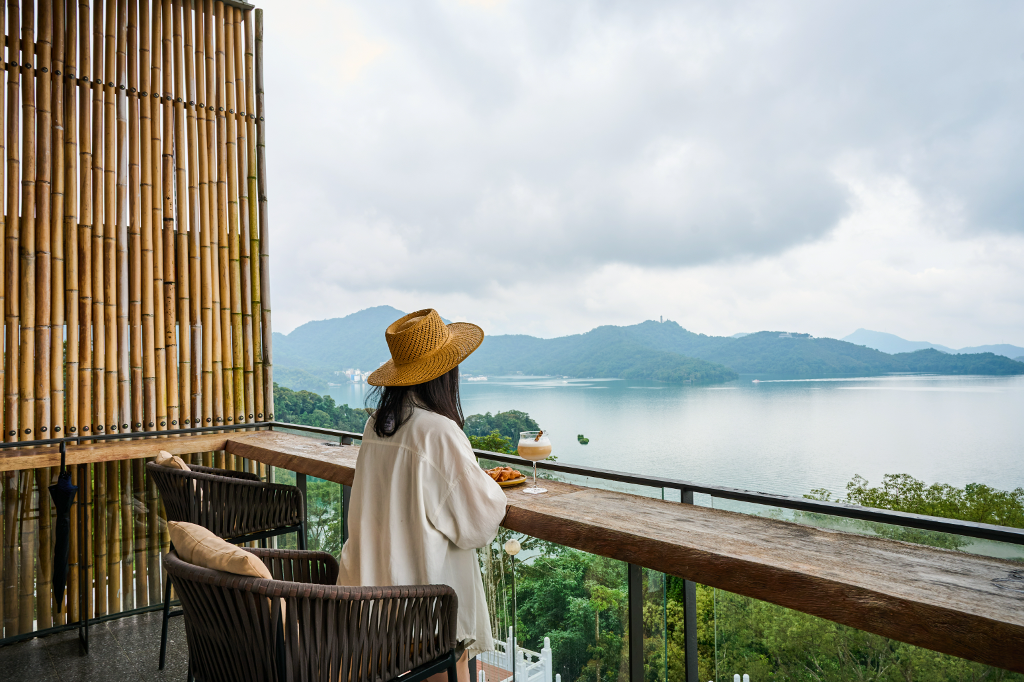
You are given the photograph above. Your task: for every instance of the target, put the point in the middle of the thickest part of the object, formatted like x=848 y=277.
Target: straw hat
x=423 y=348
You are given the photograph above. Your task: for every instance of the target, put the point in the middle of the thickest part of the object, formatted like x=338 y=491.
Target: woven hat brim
x=463 y=339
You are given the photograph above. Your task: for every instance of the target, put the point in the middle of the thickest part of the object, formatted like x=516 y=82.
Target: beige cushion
x=198 y=546
x=166 y=459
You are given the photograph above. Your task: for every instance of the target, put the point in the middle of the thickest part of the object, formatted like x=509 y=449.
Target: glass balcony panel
x=739 y=635
x=569 y=609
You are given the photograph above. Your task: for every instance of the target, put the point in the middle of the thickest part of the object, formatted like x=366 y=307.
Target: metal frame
x=686 y=490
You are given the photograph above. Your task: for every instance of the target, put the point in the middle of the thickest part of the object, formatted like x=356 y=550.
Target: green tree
x=310 y=409
x=509 y=424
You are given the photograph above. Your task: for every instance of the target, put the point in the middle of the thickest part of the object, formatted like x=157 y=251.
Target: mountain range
x=890 y=343
x=308 y=357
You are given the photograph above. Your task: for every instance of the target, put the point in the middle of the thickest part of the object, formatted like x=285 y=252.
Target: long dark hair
x=440 y=395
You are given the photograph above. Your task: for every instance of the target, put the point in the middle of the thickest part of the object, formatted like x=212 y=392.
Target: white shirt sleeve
x=473 y=505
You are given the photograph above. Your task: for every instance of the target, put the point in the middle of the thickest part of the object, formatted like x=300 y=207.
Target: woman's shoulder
x=425 y=423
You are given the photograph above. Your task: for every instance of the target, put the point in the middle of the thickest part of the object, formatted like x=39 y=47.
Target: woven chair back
x=229 y=504
x=329 y=633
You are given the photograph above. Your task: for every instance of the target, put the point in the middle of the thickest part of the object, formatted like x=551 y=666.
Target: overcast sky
x=546 y=167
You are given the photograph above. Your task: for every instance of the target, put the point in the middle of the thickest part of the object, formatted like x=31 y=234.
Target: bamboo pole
x=122 y=244
x=27 y=245
x=217 y=344
x=57 y=307
x=156 y=159
x=205 y=255
x=138 y=392
x=261 y=167
x=44 y=297
x=44 y=292
x=224 y=230
x=12 y=267
x=149 y=341
x=101 y=511
x=9 y=275
x=3 y=280
x=194 y=223
x=85 y=230
x=184 y=308
x=254 y=241
x=10 y=623
x=110 y=236
x=70 y=217
x=238 y=405
x=28 y=504
x=110 y=295
x=27 y=248
x=139 y=520
x=245 y=272
x=99 y=227
x=171 y=340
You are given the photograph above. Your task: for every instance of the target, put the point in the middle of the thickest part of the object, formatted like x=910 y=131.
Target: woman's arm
x=472 y=508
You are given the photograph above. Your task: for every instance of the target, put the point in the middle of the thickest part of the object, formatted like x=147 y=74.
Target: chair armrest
x=299 y=566
x=244 y=475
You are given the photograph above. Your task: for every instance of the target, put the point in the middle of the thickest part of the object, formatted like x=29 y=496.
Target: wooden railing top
x=952 y=602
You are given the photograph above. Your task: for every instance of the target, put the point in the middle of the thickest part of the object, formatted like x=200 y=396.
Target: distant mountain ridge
x=660 y=351
x=890 y=343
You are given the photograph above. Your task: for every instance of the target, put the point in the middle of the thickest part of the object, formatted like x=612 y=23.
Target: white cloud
x=545 y=168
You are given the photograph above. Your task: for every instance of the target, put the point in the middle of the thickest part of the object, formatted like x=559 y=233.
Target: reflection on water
x=779 y=435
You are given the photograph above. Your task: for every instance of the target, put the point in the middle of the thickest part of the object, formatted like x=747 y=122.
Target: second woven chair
x=234 y=505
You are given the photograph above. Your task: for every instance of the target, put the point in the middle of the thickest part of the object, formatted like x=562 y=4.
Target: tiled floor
x=124 y=649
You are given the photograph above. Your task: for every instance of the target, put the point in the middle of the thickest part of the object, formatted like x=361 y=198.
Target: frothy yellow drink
x=534 y=450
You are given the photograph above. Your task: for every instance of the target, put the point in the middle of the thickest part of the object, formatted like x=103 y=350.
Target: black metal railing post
x=300 y=483
x=689 y=613
x=636 y=622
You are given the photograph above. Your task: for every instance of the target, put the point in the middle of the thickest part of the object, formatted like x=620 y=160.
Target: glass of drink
x=534 y=446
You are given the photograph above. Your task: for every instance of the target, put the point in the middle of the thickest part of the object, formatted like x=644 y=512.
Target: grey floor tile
x=26 y=662
x=139 y=638
x=105 y=661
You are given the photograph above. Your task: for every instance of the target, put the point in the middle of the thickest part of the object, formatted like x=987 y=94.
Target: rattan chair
x=328 y=633
x=234 y=505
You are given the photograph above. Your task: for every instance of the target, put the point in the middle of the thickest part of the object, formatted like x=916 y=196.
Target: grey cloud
x=649 y=133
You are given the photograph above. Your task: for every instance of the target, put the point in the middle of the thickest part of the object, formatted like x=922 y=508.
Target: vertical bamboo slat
x=70 y=219
x=223 y=229
x=233 y=236
x=261 y=169
x=56 y=190
x=85 y=231
x=134 y=257
x=244 y=243
x=182 y=276
x=44 y=298
x=254 y=242
x=194 y=265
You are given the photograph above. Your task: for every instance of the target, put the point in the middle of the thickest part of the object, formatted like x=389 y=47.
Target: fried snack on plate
x=502 y=474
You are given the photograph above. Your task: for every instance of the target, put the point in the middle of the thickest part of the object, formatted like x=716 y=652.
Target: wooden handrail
x=951 y=602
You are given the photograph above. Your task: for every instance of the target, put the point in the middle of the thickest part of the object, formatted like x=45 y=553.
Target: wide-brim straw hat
x=423 y=348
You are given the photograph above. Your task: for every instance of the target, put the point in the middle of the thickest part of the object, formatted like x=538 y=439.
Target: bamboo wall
x=135 y=265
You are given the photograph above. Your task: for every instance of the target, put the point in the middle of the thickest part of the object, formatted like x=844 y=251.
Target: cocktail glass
x=534 y=446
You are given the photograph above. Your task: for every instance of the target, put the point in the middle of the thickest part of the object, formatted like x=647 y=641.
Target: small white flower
x=512 y=547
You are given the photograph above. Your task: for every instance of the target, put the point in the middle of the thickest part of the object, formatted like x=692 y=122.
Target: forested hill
x=760 y=353
x=308 y=357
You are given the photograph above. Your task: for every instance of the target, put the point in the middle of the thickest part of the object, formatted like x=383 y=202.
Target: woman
x=421 y=505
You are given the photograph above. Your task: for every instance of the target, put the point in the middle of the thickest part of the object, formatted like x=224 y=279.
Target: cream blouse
x=420 y=507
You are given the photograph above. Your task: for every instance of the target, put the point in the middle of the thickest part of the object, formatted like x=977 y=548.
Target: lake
x=782 y=436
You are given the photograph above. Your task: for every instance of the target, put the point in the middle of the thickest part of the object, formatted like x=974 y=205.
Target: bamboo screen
x=135 y=263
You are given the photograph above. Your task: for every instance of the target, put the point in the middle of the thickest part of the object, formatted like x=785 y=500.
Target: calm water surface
x=779 y=436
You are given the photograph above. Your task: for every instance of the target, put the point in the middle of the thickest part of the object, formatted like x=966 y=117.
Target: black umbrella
x=63 y=495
